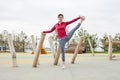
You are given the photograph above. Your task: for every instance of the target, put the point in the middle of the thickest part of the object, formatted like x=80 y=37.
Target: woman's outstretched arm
x=49 y=31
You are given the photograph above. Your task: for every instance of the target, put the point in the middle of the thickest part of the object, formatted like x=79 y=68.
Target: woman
x=60 y=28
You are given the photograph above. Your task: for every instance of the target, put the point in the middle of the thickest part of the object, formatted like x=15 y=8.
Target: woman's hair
x=60 y=15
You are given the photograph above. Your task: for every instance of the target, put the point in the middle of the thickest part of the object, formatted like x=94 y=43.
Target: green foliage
x=104 y=39
x=3 y=40
x=116 y=38
x=93 y=38
x=20 y=41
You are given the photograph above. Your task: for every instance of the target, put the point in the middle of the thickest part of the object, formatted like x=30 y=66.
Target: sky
x=34 y=16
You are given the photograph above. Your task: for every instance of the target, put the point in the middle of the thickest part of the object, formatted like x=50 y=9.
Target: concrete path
x=86 y=67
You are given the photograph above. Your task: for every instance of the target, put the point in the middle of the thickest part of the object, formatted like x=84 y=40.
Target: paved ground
x=87 y=67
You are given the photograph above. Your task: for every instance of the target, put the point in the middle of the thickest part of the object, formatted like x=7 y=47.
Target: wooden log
x=77 y=50
x=52 y=46
x=57 y=56
x=12 y=50
x=34 y=46
x=91 y=47
x=39 y=50
x=115 y=42
x=110 y=48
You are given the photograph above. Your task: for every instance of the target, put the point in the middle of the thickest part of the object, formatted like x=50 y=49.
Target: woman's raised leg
x=70 y=34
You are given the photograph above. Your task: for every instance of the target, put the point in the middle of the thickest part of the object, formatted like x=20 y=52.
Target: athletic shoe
x=64 y=66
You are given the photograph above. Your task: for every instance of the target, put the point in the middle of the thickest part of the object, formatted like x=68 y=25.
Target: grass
x=103 y=52
x=116 y=52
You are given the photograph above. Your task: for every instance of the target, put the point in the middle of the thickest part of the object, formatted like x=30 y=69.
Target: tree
x=4 y=37
x=55 y=38
x=93 y=38
x=116 y=38
x=104 y=39
x=1 y=41
x=20 y=41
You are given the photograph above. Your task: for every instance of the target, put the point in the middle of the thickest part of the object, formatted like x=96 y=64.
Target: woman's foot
x=64 y=66
x=83 y=18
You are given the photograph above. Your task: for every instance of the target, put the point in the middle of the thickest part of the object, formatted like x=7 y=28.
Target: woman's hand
x=43 y=33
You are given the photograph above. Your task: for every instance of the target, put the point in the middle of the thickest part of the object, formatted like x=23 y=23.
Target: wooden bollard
x=110 y=48
x=39 y=50
x=91 y=46
x=52 y=46
x=34 y=46
x=12 y=50
x=57 y=56
x=77 y=50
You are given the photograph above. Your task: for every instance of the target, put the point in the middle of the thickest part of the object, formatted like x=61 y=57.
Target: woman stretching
x=60 y=28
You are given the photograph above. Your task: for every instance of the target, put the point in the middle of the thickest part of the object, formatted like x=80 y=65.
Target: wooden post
x=52 y=46
x=39 y=50
x=34 y=46
x=77 y=50
x=12 y=50
x=110 y=48
x=91 y=46
x=57 y=56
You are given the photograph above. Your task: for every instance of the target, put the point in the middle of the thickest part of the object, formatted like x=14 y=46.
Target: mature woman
x=60 y=28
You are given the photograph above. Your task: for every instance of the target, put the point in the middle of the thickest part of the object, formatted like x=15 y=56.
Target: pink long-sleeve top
x=61 y=28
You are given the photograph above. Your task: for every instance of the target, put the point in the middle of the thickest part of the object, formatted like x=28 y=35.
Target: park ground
x=86 y=67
